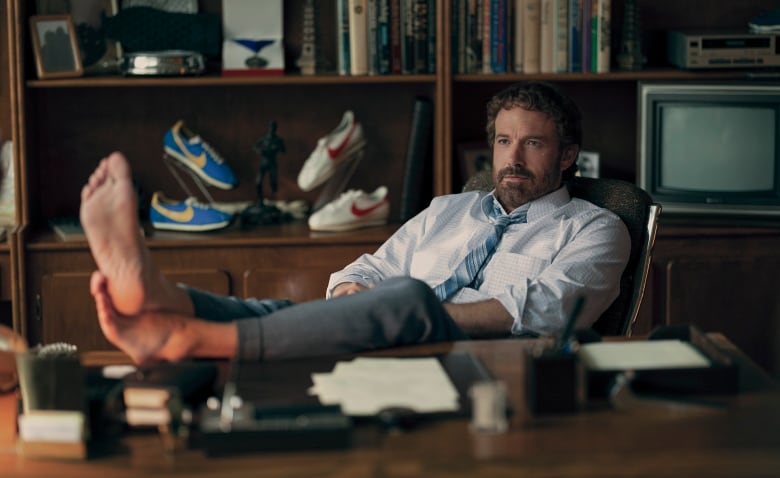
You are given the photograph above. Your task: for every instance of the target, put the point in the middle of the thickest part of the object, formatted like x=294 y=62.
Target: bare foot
x=109 y=209
x=145 y=337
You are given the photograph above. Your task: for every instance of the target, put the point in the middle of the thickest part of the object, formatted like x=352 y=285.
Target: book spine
x=575 y=35
x=546 y=16
x=342 y=29
x=358 y=36
x=383 y=37
x=463 y=35
x=407 y=29
x=432 y=38
x=587 y=19
x=594 y=36
x=604 y=36
x=518 y=14
x=417 y=156
x=531 y=36
x=498 y=36
x=472 y=39
x=420 y=28
x=395 y=37
x=561 y=36
x=371 y=37
x=487 y=6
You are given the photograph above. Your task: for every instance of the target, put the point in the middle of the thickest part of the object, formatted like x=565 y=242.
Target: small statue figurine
x=267 y=147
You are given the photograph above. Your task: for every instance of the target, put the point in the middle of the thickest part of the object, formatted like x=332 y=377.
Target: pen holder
x=554 y=382
x=51 y=382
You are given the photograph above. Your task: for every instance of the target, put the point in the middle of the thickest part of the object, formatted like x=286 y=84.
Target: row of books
x=531 y=36
x=380 y=37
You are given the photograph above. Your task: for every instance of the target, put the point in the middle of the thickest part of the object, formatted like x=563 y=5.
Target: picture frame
x=474 y=157
x=99 y=54
x=588 y=164
x=55 y=46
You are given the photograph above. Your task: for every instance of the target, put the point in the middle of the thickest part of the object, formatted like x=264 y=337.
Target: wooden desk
x=742 y=440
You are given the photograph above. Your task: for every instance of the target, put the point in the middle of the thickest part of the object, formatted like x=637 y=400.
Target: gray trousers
x=398 y=311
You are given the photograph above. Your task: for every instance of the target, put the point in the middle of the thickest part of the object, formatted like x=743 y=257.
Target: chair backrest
x=640 y=214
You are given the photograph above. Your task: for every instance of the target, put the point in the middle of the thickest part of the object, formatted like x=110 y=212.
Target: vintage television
x=711 y=150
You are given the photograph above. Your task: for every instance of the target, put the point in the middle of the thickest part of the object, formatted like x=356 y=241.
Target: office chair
x=640 y=214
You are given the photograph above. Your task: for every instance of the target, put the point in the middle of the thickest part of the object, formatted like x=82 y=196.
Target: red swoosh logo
x=333 y=153
x=363 y=212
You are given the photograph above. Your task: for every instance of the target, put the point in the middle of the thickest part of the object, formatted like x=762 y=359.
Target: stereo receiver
x=690 y=49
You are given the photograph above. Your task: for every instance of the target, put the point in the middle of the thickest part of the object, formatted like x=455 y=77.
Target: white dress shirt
x=568 y=248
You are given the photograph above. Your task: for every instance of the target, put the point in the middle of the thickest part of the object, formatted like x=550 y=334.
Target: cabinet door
x=735 y=296
x=298 y=285
x=68 y=313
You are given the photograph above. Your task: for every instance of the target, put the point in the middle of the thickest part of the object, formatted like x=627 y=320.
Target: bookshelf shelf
x=214 y=80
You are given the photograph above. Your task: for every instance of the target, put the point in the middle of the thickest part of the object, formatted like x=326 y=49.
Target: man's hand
x=347 y=288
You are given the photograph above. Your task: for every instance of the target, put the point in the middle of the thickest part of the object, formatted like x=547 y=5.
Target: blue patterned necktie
x=467 y=271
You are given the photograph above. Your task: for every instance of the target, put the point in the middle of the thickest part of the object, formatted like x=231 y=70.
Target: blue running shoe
x=187 y=215
x=197 y=155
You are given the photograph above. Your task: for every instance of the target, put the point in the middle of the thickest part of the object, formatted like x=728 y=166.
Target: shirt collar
x=536 y=208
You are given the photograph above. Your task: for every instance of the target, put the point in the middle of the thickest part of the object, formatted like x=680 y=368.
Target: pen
x=568 y=330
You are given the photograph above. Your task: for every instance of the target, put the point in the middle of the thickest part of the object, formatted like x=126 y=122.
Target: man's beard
x=513 y=195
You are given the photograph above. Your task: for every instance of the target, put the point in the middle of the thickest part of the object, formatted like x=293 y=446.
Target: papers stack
x=367 y=385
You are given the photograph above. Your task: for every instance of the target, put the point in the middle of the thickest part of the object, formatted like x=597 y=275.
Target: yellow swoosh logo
x=199 y=161
x=184 y=215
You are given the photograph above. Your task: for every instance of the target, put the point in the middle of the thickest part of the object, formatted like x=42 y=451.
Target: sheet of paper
x=366 y=385
x=644 y=355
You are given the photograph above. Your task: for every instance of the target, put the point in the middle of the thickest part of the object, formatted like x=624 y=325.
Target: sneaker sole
x=190 y=228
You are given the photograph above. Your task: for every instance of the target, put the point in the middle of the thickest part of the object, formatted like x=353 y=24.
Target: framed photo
x=588 y=164
x=99 y=54
x=56 y=48
x=474 y=157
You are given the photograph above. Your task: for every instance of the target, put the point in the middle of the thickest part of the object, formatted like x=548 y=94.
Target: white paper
x=366 y=385
x=641 y=355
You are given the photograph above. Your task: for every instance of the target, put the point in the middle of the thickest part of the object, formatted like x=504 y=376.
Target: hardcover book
x=518 y=14
x=395 y=37
x=358 y=37
x=154 y=386
x=575 y=36
x=600 y=36
x=383 y=45
x=372 y=19
x=531 y=36
x=342 y=36
x=546 y=39
x=561 y=36
x=498 y=36
x=485 y=9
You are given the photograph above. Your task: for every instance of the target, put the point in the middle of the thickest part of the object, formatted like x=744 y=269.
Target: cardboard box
x=253 y=37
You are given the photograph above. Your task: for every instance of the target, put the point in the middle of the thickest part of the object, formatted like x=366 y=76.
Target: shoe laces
x=197 y=140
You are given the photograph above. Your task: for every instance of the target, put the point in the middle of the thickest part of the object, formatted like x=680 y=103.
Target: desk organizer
x=720 y=377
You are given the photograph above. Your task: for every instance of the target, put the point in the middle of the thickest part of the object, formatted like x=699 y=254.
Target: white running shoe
x=332 y=152
x=352 y=210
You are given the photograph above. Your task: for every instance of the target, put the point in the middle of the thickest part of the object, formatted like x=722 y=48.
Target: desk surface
x=739 y=440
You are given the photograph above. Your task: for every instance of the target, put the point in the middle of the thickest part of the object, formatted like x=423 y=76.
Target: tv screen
x=710 y=149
